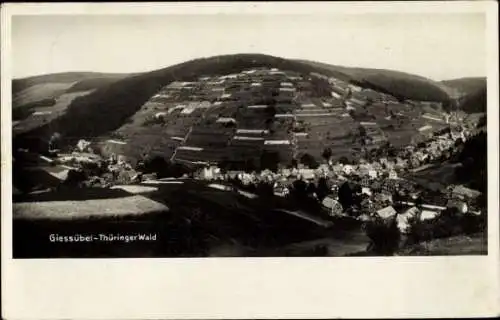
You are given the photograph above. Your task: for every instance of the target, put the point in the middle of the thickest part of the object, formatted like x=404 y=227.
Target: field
x=39 y=92
x=47 y=114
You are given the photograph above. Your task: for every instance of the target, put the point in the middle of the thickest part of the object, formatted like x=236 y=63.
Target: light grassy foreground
x=60 y=210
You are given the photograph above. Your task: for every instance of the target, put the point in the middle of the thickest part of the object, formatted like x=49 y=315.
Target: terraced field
x=248 y=114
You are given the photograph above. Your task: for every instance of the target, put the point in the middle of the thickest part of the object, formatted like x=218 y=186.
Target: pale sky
x=439 y=46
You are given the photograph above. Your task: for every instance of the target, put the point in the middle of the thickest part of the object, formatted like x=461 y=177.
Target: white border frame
x=242 y=287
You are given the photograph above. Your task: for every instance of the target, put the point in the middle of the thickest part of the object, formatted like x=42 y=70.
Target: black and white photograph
x=133 y=138
x=274 y=160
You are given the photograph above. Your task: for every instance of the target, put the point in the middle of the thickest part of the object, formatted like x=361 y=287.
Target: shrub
x=449 y=223
x=384 y=235
x=309 y=161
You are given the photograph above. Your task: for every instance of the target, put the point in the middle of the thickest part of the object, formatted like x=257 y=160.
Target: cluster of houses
x=378 y=181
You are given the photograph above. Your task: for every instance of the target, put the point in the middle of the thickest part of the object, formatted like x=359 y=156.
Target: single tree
x=327 y=153
x=309 y=161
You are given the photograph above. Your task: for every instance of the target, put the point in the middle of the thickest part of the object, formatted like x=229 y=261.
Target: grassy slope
x=38 y=92
x=65 y=77
x=28 y=91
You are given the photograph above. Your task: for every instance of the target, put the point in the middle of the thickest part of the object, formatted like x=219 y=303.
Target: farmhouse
x=428 y=214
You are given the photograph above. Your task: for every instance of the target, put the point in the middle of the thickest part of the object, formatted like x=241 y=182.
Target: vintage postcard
x=336 y=139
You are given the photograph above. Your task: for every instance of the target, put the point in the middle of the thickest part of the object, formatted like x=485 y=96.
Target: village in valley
x=311 y=146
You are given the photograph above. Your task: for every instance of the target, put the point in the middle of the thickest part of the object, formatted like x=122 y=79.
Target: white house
x=348 y=169
x=387 y=212
x=428 y=214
